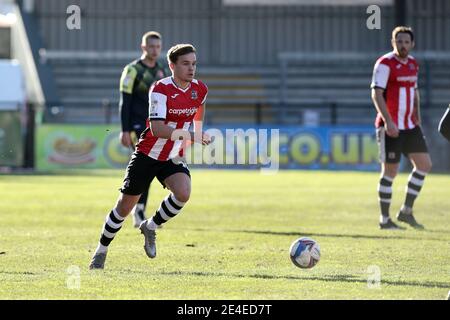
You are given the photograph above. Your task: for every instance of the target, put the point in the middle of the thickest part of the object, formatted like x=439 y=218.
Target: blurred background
x=303 y=66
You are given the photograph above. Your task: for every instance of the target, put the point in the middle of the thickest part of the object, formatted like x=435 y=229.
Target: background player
x=396 y=97
x=174 y=102
x=135 y=83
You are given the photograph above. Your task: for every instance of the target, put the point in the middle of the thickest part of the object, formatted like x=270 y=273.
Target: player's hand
x=206 y=139
x=125 y=139
x=391 y=129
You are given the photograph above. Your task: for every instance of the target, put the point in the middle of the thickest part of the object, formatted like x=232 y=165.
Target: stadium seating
x=89 y=83
x=247 y=94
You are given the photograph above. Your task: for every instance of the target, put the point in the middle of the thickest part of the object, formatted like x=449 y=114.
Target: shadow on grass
x=19 y=272
x=328 y=235
x=63 y=172
x=331 y=235
x=437 y=231
x=332 y=278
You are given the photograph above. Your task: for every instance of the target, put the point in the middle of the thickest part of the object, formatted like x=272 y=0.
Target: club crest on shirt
x=194 y=95
x=391 y=155
x=412 y=66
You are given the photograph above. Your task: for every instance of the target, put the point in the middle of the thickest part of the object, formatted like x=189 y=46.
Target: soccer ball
x=304 y=253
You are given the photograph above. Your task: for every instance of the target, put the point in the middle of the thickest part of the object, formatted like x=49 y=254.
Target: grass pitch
x=231 y=240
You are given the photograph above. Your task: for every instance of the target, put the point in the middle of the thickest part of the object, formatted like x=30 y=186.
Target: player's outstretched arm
x=161 y=130
x=417 y=107
x=127 y=81
x=380 y=105
x=200 y=115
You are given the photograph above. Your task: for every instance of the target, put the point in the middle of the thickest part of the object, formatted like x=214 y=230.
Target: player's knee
x=426 y=166
x=391 y=173
x=124 y=206
x=122 y=209
x=182 y=195
x=430 y=166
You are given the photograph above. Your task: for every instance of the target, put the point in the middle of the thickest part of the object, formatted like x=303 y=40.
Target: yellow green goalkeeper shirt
x=135 y=83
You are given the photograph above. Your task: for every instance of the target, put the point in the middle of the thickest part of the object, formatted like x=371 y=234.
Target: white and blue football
x=304 y=253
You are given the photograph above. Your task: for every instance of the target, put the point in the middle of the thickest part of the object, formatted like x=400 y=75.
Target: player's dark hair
x=179 y=50
x=151 y=35
x=403 y=29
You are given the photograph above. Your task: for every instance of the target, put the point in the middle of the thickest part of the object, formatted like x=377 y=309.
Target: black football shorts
x=142 y=169
x=408 y=141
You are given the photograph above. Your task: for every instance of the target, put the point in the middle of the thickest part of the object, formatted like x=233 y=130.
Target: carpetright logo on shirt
x=185 y=112
x=407 y=78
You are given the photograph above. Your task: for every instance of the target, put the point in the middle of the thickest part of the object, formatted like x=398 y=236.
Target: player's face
x=153 y=48
x=402 y=44
x=184 y=68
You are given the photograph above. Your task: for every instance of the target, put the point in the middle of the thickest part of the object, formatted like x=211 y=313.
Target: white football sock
x=383 y=219
x=139 y=207
x=151 y=225
x=406 y=210
x=101 y=249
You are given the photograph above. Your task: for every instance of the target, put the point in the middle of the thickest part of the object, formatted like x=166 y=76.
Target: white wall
x=11 y=79
x=21 y=51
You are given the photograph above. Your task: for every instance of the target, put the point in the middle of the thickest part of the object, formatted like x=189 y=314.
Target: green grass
x=230 y=242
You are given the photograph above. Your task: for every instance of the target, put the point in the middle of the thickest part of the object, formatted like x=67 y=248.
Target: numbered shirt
x=177 y=108
x=399 y=80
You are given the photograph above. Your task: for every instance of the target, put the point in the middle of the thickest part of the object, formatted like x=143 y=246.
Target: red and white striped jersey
x=177 y=107
x=399 y=80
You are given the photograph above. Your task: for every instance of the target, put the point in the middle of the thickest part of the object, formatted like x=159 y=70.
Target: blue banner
x=333 y=148
x=246 y=147
x=315 y=148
